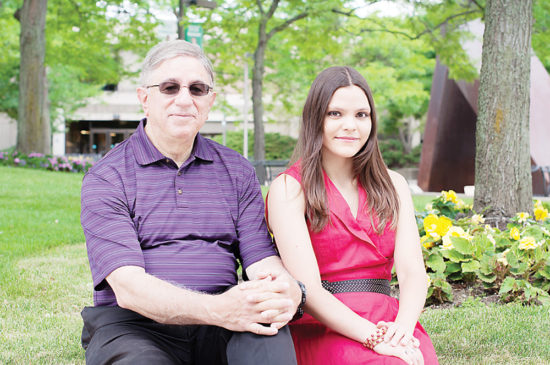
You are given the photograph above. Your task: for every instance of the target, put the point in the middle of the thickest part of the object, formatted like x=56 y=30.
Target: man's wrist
x=300 y=310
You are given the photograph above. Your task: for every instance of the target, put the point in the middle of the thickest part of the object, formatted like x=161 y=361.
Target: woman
x=341 y=219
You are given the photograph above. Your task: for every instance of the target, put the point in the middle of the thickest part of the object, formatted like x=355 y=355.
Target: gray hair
x=170 y=49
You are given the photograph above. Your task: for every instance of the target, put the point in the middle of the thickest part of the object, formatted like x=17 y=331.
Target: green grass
x=45 y=282
x=44 y=275
x=497 y=334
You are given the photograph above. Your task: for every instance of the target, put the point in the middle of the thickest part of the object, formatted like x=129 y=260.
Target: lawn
x=45 y=282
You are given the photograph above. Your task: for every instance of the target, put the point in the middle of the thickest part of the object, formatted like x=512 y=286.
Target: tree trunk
x=502 y=171
x=33 y=128
x=257 y=104
x=180 y=15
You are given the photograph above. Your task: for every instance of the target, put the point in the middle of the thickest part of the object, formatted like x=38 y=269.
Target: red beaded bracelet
x=375 y=338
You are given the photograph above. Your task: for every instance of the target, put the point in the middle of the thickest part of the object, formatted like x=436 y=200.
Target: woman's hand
x=398 y=335
x=411 y=355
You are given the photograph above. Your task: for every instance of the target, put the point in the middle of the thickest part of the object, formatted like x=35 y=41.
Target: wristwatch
x=300 y=311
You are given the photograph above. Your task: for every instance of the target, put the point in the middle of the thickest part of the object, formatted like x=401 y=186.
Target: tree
x=502 y=172
x=264 y=36
x=81 y=53
x=33 y=123
x=287 y=41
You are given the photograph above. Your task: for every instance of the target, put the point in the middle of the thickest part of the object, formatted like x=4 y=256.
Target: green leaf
x=462 y=245
x=471 y=266
x=507 y=285
x=456 y=276
x=512 y=259
x=488 y=264
x=528 y=292
x=520 y=268
x=486 y=278
x=436 y=263
x=430 y=292
x=545 y=272
x=544 y=299
x=453 y=267
x=447 y=289
x=453 y=255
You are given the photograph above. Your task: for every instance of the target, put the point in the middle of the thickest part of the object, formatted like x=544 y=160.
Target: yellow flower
x=514 y=233
x=477 y=219
x=427 y=242
x=447 y=244
x=429 y=280
x=454 y=232
x=438 y=225
x=449 y=196
x=541 y=213
x=522 y=217
x=528 y=243
x=538 y=204
x=460 y=204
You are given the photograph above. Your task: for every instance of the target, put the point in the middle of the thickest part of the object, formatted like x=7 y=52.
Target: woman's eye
x=362 y=115
x=333 y=114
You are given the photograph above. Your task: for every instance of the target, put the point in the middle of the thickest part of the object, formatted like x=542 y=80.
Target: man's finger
x=262 y=330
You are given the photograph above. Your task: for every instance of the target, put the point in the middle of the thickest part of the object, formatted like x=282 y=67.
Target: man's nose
x=184 y=96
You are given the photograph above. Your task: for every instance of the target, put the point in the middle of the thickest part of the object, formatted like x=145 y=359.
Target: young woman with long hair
x=341 y=220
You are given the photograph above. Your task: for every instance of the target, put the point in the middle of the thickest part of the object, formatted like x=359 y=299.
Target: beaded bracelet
x=375 y=338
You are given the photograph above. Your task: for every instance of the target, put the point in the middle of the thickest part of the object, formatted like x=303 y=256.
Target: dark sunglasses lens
x=169 y=88
x=199 y=89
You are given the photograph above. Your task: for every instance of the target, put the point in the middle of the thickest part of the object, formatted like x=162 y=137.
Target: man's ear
x=212 y=99
x=143 y=97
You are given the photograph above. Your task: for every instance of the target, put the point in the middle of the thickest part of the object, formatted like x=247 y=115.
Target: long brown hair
x=368 y=166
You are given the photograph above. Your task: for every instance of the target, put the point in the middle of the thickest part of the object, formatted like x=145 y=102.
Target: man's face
x=178 y=117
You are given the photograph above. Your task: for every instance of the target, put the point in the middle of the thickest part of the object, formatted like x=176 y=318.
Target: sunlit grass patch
x=41 y=323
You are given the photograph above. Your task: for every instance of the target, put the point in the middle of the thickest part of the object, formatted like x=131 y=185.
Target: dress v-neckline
x=341 y=196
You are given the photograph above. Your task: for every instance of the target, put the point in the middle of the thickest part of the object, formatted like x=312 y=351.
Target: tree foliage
x=282 y=42
x=84 y=42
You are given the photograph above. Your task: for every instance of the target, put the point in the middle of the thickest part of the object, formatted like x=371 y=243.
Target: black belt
x=381 y=286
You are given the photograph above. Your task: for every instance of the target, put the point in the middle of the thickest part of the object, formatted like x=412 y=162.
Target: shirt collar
x=146 y=153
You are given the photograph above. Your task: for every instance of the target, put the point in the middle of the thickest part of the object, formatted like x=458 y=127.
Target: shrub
x=45 y=162
x=394 y=155
x=277 y=146
x=458 y=247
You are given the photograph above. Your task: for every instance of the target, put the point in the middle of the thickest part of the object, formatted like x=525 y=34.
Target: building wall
x=8 y=132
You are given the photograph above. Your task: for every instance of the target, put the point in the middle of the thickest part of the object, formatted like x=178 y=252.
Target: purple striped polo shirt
x=186 y=226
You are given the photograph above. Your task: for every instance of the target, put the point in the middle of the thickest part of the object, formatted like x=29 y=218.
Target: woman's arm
x=409 y=266
x=286 y=207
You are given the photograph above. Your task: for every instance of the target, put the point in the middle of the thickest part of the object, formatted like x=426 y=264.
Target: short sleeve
x=111 y=238
x=255 y=242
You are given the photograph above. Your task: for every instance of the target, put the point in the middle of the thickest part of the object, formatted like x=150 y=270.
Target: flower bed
x=460 y=250
x=46 y=162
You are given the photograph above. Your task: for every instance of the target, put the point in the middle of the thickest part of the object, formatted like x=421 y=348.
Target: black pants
x=115 y=335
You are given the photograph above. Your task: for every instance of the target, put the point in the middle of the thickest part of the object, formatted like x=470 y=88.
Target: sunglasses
x=173 y=88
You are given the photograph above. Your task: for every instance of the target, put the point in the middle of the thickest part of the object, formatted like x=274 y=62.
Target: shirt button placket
x=179 y=190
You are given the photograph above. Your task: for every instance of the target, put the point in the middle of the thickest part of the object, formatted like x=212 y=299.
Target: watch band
x=300 y=311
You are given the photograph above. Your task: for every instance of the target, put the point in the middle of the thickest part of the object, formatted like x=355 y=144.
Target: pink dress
x=348 y=248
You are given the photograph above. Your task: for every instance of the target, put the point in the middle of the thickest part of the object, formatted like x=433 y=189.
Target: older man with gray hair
x=168 y=217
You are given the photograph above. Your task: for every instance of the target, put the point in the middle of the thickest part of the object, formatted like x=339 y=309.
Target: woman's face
x=347 y=123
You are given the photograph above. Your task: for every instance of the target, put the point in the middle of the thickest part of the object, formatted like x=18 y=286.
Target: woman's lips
x=350 y=139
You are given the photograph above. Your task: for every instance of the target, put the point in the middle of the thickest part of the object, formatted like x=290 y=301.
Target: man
x=167 y=214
